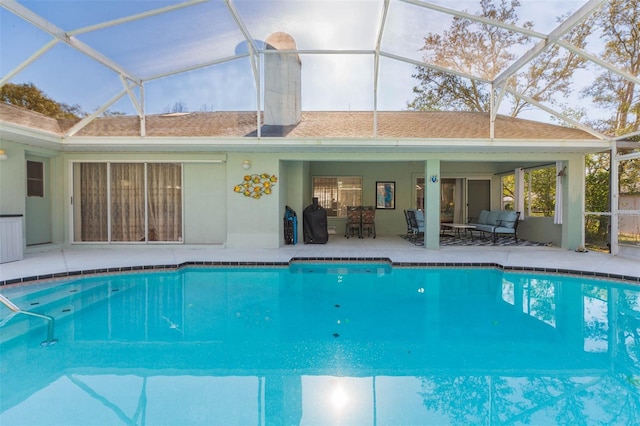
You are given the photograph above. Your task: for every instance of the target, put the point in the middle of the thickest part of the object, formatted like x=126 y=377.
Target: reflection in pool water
x=324 y=344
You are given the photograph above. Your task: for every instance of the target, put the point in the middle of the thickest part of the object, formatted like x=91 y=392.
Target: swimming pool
x=324 y=344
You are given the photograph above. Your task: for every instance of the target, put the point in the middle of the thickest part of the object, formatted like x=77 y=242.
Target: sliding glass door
x=90 y=202
x=455 y=195
x=127 y=202
x=164 y=201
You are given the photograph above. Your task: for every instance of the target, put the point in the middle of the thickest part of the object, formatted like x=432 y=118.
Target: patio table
x=456 y=227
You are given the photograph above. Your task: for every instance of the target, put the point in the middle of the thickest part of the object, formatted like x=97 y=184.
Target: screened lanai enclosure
x=538 y=101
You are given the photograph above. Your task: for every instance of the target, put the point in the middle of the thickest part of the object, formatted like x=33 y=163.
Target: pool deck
x=46 y=262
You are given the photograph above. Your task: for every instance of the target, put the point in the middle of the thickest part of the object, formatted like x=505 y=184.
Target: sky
x=207 y=33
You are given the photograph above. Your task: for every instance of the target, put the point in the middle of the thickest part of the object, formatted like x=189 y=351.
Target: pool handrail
x=16 y=310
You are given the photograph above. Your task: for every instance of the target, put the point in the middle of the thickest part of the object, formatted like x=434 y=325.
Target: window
x=336 y=193
x=447 y=200
x=539 y=192
x=128 y=202
x=508 y=192
x=35 y=179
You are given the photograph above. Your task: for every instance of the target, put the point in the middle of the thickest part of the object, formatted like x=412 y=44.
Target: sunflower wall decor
x=255 y=186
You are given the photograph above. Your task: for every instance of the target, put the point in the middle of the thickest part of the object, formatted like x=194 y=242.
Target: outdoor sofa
x=497 y=222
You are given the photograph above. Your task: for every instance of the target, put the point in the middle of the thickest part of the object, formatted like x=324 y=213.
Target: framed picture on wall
x=385 y=195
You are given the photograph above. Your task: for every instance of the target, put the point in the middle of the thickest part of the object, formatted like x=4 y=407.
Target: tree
x=609 y=91
x=550 y=73
x=543 y=191
x=483 y=50
x=597 y=198
x=540 y=191
x=28 y=96
x=178 y=106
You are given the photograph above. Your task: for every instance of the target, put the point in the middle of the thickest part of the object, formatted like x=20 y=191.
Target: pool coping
x=294 y=260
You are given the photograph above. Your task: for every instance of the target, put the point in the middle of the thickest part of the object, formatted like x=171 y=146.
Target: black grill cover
x=314 y=224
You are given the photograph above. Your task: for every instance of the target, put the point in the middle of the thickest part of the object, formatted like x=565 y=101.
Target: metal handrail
x=51 y=322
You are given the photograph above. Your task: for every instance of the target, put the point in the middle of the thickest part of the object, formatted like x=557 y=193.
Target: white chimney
x=282 y=82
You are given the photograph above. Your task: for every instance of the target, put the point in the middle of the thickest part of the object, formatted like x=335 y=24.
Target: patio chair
x=409 y=227
x=354 y=221
x=416 y=219
x=420 y=220
x=369 y=221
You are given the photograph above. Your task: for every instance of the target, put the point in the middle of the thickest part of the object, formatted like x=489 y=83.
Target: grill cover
x=314 y=224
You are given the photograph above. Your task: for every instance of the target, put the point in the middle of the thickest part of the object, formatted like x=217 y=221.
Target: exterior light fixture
x=246 y=164
x=3 y=154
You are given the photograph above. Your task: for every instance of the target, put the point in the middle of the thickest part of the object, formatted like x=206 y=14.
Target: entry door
x=38 y=202
x=478 y=197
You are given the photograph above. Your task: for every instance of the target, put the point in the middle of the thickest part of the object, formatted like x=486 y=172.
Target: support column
x=432 y=204
x=573 y=208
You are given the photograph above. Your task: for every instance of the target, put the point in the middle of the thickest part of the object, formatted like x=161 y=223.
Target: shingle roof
x=314 y=124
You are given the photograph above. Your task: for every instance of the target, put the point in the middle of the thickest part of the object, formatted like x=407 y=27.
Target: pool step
x=58 y=302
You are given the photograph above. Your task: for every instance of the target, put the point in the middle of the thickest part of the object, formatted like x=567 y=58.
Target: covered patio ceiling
x=148 y=57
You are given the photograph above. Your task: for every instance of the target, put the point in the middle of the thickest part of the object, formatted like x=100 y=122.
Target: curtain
x=519 y=189
x=164 y=191
x=127 y=202
x=557 y=216
x=93 y=214
x=326 y=191
x=458 y=213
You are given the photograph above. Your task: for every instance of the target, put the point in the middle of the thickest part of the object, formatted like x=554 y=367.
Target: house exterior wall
x=205 y=203
x=253 y=222
x=13 y=178
x=541 y=230
x=293 y=192
x=215 y=214
x=204 y=192
x=13 y=184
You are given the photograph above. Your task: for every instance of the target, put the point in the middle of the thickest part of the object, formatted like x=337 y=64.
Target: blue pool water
x=322 y=345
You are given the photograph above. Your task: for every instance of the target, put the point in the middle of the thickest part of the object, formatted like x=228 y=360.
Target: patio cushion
x=484 y=214
x=507 y=218
x=492 y=218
